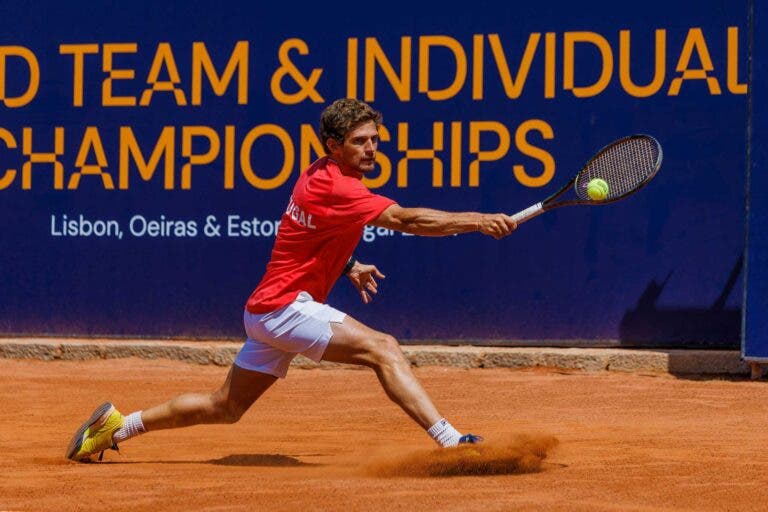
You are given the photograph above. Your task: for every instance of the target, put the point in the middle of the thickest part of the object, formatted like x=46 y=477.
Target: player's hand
x=497 y=225
x=362 y=277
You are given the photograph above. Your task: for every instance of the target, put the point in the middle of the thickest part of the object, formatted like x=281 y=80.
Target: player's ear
x=333 y=145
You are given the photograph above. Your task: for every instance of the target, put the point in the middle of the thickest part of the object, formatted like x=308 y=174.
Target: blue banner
x=147 y=152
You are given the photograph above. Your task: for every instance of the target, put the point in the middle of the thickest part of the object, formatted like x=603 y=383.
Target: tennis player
x=287 y=314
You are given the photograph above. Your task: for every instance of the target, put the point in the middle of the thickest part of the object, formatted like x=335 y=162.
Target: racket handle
x=528 y=213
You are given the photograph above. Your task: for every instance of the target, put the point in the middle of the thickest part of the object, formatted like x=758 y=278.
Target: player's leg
x=257 y=366
x=107 y=427
x=355 y=343
x=225 y=405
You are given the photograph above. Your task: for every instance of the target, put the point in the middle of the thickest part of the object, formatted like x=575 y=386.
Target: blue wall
x=662 y=268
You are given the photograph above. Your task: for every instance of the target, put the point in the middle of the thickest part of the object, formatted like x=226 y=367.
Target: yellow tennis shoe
x=95 y=435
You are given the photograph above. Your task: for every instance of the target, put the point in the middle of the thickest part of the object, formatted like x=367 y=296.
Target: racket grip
x=528 y=213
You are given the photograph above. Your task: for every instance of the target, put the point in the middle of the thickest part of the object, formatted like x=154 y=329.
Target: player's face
x=358 y=151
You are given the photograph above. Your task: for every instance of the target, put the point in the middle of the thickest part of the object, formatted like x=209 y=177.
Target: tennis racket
x=626 y=165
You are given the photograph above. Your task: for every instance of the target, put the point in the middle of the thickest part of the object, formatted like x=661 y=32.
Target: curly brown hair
x=343 y=115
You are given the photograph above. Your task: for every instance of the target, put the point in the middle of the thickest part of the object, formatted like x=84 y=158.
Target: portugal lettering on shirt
x=301 y=217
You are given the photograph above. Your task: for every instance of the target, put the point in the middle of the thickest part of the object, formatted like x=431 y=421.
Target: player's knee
x=230 y=414
x=388 y=351
x=231 y=417
x=226 y=411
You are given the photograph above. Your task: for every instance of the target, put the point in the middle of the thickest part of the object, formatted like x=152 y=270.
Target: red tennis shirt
x=318 y=232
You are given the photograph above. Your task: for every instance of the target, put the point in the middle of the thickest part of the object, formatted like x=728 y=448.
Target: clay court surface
x=326 y=440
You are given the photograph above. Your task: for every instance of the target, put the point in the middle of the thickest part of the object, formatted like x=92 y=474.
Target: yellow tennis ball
x=597 y=189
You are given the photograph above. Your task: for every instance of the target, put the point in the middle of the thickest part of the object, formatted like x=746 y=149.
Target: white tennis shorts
x=274 y=338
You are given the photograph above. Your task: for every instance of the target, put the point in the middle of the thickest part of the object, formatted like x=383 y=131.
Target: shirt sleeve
x=353 y=203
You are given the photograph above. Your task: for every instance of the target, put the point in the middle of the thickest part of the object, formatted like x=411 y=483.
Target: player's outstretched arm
x=428 y=222
x=363 y=279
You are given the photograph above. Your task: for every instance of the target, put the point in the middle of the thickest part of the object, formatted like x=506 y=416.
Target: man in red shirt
x=286 y=314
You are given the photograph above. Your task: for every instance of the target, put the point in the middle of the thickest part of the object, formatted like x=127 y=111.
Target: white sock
x=444 y=433
x=132 y=427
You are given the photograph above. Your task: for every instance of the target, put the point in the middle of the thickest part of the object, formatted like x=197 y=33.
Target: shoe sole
x=97 y=419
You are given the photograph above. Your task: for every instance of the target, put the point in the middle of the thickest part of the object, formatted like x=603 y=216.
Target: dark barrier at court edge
x=755 y=335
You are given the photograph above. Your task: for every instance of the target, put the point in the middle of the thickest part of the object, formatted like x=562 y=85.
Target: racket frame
x=550 y=204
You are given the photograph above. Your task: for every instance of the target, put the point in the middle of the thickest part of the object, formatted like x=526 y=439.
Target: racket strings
x=625 y=166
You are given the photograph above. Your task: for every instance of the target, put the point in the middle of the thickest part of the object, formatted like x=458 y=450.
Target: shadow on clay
x=250 y=460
